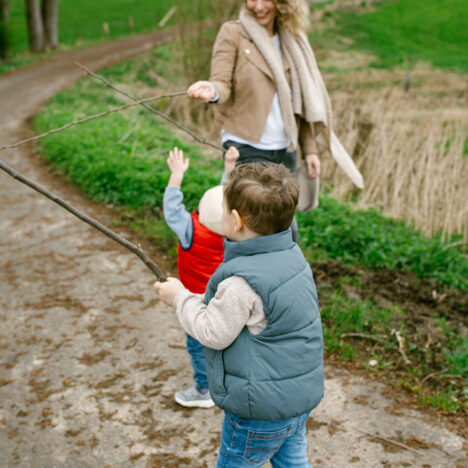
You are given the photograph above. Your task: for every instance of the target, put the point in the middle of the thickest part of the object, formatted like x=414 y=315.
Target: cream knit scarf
x=307 y=96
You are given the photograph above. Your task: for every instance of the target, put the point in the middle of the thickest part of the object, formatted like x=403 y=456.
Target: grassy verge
x=401 y=32
x=364 y=237
x=423 y=350
x=120 y=160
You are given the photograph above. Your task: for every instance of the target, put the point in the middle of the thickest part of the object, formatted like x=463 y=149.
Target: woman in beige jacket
x=269 y=95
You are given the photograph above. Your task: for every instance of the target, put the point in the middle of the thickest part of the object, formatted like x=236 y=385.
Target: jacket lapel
x=253 y=55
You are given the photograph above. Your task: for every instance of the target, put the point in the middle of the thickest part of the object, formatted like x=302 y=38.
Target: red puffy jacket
x=197 y=263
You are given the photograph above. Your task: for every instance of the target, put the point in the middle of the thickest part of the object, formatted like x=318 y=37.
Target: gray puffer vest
x=278 y=373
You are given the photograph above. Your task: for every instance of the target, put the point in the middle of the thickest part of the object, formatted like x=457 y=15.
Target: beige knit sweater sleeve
x=216 y=325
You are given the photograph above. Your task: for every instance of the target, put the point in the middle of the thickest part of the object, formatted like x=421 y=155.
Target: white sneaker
x=192 y=398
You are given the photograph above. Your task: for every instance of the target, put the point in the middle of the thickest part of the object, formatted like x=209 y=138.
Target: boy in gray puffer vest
x=259 y=323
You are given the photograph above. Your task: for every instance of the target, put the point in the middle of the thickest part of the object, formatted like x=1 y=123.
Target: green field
x=83 y=20
x=402 y=33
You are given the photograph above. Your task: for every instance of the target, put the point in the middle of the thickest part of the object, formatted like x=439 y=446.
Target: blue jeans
x=195 y=349
x=251 y=443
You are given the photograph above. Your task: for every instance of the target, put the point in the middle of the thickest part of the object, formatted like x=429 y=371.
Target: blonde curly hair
x=291 y=15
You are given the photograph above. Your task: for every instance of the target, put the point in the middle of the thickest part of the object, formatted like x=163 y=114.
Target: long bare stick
x=79 y=214
x=389 y=441
x=91 y=117
x=151 y=109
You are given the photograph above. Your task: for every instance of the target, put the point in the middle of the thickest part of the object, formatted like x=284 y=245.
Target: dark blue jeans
x=195 y=349
x=251 y=443
x=249 y=154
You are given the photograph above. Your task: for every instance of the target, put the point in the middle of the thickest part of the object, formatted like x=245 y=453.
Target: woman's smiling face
x=264 y=11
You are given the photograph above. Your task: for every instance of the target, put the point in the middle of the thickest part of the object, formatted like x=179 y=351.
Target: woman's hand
x=202 y=91
x=169 y=289
x=178 y=166
x=313 y=165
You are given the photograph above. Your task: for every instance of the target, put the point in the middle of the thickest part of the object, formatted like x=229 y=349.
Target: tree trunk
x=4 y=29
x=50 y=22
x=35 y=28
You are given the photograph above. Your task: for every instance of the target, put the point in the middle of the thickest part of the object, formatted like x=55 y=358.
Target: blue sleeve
x=177 y=217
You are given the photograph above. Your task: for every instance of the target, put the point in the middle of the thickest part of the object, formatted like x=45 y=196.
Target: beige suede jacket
x=246 y=88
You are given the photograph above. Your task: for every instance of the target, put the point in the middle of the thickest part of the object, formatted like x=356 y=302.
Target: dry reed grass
x=414 y=163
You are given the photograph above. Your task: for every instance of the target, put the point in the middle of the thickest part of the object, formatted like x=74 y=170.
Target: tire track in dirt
x=89 y=357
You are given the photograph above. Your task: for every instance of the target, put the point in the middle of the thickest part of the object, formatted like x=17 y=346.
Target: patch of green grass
x=403 y=32
x=446 y=399
x=365 y=237
x=342 y=316
x=358 y=330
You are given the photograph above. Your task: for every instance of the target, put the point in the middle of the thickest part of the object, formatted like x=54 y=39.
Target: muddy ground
x=90 y=358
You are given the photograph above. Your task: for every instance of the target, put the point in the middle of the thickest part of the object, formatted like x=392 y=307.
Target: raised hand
x=178 y=166
x=230 y=158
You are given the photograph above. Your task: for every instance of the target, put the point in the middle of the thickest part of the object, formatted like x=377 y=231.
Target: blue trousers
x=195 y=349
x=251 y=443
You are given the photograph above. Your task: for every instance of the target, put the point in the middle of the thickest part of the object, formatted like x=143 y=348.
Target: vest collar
x=258 y=245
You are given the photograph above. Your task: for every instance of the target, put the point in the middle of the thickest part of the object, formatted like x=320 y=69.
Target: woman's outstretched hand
x=313 y=165
x=202 y=91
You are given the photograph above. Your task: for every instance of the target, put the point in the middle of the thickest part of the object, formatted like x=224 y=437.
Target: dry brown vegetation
x=413 y=161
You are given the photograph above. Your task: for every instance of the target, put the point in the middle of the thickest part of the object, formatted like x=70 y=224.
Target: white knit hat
x=210 y=209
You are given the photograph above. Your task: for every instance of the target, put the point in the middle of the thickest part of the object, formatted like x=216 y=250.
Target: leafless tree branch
x=79 y=214
x=91 y=117
x=151 y=109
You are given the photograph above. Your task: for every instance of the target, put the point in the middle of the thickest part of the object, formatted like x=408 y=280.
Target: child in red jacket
x=199 y=253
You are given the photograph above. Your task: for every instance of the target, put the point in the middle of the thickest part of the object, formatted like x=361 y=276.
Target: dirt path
x=90 y=359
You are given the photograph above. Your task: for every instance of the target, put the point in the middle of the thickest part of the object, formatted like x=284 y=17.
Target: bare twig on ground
x=79 y=214
x=432 y=374
x=91 y=117
x=401 y=347
x=389 y=441
x=151 y=109
x=363 y=335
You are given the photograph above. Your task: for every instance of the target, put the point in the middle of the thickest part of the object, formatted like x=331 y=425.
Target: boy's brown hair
x=264 y=194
